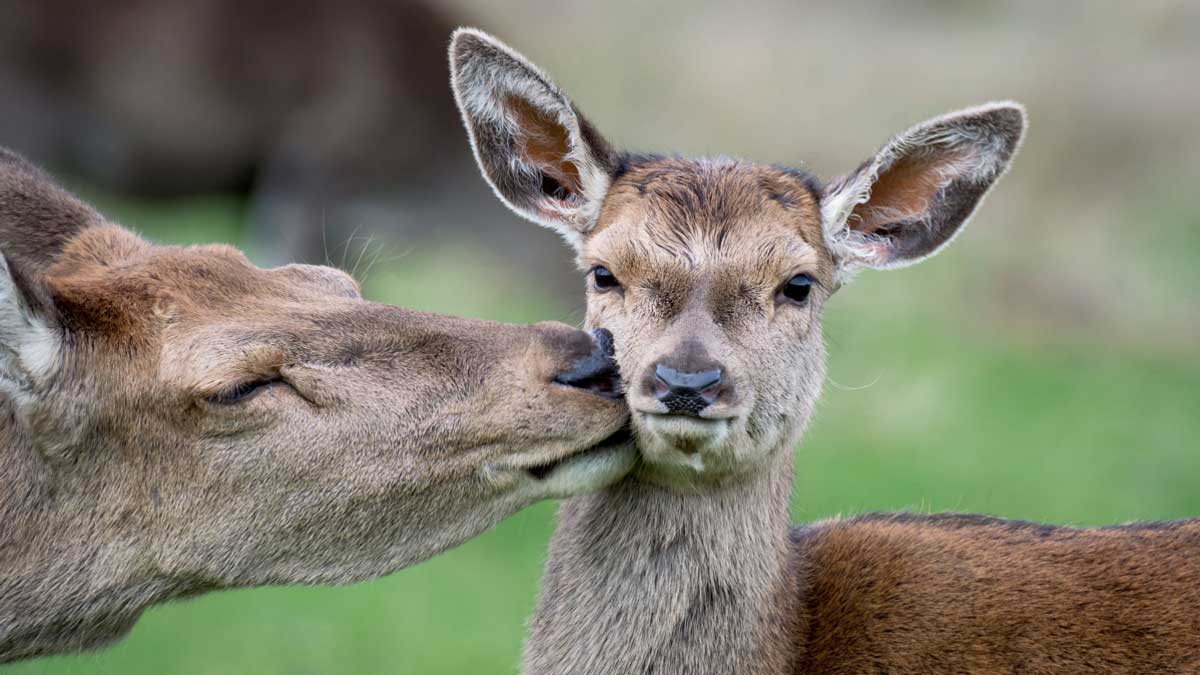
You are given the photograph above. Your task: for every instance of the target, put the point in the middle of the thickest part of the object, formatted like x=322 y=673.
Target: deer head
x=177 y=420
x=712 y=273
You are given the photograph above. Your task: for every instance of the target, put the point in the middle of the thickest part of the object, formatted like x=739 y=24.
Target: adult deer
x=712 y=274
x=176 y=420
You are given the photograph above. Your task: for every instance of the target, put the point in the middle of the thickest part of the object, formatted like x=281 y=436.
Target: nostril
x=712 y=392
x=603 y=341
x=661 y=386
x=602 y=381
x=596 y=372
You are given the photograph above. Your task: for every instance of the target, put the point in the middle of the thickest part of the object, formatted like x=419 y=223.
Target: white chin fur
x=682 y=442
x=587 y=472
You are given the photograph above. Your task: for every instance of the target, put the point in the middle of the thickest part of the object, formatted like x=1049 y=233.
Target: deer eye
x=242 y=391
x=604 y=279
x=796 y=289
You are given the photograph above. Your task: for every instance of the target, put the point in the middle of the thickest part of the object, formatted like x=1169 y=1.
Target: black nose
x=686 y=393
x=596 y=372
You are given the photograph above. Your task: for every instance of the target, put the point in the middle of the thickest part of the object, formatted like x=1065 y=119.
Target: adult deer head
x=177 y=420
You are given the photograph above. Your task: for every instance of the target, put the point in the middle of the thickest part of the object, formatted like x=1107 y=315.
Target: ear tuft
x=541 y=157
x=915 y=195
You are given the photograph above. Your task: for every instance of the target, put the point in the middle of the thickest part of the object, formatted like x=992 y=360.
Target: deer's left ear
x=543 y=159
x=910 y=199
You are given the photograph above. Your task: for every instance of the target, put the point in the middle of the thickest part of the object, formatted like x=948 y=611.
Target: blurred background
x=1046 y=367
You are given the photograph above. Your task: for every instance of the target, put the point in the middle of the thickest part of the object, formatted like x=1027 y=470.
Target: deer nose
x=597 y=372
x=686 y=392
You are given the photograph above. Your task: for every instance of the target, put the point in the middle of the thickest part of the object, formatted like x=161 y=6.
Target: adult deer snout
x=597 y=371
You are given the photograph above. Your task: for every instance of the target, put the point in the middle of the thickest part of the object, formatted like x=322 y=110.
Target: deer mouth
x=544 y=470
x=678 y=448
x=689 y=430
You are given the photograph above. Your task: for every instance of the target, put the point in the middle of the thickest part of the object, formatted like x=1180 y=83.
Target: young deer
x=176 y=421
x=711 y=274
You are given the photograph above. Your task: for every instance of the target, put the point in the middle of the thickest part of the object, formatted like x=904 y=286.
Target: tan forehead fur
x=175 y=306
x=116 y=282
x=666 y=214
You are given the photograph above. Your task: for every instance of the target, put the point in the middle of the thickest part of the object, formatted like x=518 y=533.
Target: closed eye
x=243 y=391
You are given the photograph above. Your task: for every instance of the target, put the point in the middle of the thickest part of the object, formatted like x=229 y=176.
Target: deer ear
x=543 y=159
x=910 y=199
x=29 y=348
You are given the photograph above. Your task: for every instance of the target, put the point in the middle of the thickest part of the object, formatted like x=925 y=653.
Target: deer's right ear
x=29 y=347
x=543 y=159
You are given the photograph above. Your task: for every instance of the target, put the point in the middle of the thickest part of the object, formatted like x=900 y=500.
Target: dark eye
x=797 y=289
x=243 y=391
x=604 y=279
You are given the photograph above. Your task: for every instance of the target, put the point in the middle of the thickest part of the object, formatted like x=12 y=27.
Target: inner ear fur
x=545 y=142
x=917 y=192
x=540 y=155
x=904 y=192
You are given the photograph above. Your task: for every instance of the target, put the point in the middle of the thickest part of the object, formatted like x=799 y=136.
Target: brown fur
x=689 y=564
x=378 y=436
x=947 y=593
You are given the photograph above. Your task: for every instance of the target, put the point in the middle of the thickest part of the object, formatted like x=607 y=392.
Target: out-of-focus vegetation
x=1046 y=366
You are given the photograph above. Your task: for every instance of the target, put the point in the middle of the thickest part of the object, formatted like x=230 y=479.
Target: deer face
x=237 y=426
x=715 y=305
x=711 y=274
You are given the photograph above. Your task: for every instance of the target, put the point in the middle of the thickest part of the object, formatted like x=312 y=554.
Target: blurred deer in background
x=712 y=275
x=321 y=110
x=177 y=421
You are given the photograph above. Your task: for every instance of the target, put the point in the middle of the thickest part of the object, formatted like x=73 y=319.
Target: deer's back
x=952 y=594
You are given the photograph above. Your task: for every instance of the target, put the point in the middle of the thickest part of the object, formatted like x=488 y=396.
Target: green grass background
x=932 y=405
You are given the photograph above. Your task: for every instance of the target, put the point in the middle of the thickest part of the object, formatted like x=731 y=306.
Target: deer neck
x=641 y=579
x=66 y=581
